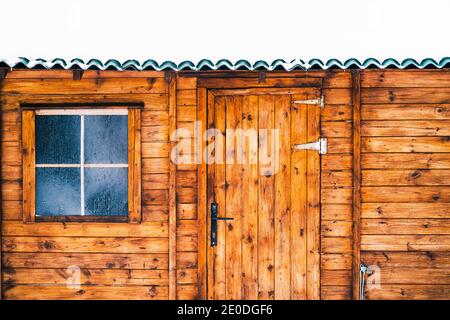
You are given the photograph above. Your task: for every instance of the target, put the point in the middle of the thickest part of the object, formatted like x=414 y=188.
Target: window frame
x=29 y=165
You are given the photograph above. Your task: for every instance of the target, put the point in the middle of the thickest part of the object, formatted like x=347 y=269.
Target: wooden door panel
x=270 y=250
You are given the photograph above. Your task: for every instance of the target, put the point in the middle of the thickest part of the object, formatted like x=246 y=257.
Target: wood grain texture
x=172 y=106
x=134 y=166
x=29 y=160
x=356 y=196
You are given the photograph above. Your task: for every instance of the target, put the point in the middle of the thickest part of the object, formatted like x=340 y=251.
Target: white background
x=232 y=29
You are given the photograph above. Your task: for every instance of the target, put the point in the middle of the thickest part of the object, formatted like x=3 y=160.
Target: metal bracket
x=319 y=101
x=77 y=74
x=320 y=145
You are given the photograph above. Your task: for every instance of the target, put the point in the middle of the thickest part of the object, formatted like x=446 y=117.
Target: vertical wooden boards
x=283 y=199
x=299 y=135
x=356 y=95
x=266 y=262
x=134 y=166
x=250 y=186
x=28 y=156
x=313 y=207
x=202 y=210
x=172 y=106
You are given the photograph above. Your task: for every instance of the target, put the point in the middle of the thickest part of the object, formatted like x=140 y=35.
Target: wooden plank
x=155 y=181
x=134 y=166
x=336 y=162
x=201 y=203
x=415 y=276
x=159 y=133
x=336 y=212
x=74 y=229
x=234 y=199
x=27 y=292
x=409 y=292
x=336 y=261
x=155 y=197
x=83 y=86
x=337 y=96
x=146 y=261
x=406 y=128
x=186 y=83
x=155 y=117
x=405 y=111
x=11 y=210
x=87 y=74
x=418 y=260
x=266 y=263
x=418 y=177
x=155 y=150
x=283 y=201
x=336 y=196
x=250 y=185
x=337 y=293
x=405 y=226
x=267 y=91
x=339 y=145
x=236 y=82
x=187 y=97
x=405 y=95
x=186 y=194
x=313 y=207
x=299 y=119
x=85 y=244
x=405 y=161
x=405 y=242
x=406 y=210
x=337 y=245
x=405 y=78
x=356 y=196
x=186 y=113
x=217 y=193
x=336 y=179
x=28 y=156
x=336 y=129
x=406 y=144
x=336 y=228
x=406 y=194
x=172 y=91
x=331 y=112
x=336 y=277
x=187 y=211
x=62 y=276
x=155 y=165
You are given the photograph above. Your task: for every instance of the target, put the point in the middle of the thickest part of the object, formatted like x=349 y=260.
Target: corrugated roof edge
x=224 y=64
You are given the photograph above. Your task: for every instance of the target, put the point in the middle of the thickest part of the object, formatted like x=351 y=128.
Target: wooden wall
x=405 y=226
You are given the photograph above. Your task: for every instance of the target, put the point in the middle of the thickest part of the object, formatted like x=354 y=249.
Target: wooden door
x=270 y=250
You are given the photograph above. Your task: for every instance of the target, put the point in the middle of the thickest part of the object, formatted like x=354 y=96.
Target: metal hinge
x=319 y=101
x=320 y=145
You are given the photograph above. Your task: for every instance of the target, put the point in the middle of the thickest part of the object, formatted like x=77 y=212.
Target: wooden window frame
x=29 y=165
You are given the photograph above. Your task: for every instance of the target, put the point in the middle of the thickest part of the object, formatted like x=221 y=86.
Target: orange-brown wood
x=134 y=166
x=172 y=91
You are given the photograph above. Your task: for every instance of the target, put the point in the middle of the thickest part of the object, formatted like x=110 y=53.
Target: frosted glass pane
x=58 y=191
x=106 y=139
x=57 y=139
x=106 y=191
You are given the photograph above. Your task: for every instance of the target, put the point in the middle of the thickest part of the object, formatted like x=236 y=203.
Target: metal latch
x=319 y=101
x=320 y=145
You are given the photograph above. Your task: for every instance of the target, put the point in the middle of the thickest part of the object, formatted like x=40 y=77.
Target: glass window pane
x=106 y=191
x=106 y=139
x=58 y=191
x=57 y=139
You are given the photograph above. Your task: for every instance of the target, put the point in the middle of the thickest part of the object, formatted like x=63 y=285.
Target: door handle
x=214 y=219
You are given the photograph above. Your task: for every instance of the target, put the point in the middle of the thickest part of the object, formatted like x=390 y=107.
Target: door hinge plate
x=319 y=145
x=319 y=102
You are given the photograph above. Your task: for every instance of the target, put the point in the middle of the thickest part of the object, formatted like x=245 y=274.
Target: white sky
x=232 y=29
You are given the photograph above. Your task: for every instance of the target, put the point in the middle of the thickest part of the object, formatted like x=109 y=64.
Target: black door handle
x=214 y=219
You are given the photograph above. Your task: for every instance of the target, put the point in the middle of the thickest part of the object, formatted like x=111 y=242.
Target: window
x=81 y=165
